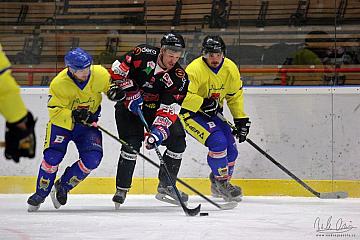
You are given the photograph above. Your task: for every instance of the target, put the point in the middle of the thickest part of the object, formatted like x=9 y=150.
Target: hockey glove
x=20 y=139
x=157 y=135
x=242 y=128
x=210 y=106
x=115 y=93
x=83 y=116
x=133 y=101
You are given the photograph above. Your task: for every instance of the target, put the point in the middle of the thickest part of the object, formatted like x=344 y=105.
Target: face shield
x=175 y=49
x=207 y=54
x=215 y=50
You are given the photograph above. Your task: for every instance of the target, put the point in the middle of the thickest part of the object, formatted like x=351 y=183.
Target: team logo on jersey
x=151 y=64
x=152 y=80
x=147 y=85
x=162 y=121
x=150 y=97
x=148 y=50
x=137 y=51
x=179 y=97
x=167 y=80
x=149 y=67
x=215 y=95
x=124 y=84
x=183 y=84
x=150 y=105
x=179 y=73
x=194 y=131
x=137 y=63
x=128 y=58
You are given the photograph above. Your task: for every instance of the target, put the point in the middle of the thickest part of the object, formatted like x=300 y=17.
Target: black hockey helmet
x=213 y=44
x=173 y=41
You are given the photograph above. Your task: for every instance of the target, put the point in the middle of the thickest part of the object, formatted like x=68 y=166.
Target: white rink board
x=314 y=132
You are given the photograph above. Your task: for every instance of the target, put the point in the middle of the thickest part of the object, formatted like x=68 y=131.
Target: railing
x=280 y=70
x=284 y=71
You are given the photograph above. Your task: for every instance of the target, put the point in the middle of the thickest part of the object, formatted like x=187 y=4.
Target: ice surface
x=143 y=217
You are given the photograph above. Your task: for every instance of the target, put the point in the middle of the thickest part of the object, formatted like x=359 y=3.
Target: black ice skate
x=34 y=202
x=168 y=194
x=119 y=197
x=224 y=189
x=58 y=195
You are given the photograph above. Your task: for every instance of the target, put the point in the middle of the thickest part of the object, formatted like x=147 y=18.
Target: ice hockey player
x=156 y=83
x=74 y=103
x=20 y=140
x=213 y=78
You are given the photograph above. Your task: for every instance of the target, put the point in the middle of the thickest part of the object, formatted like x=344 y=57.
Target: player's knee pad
x=53 y=157
x=90 y=159
x=134 y=142
x=176 y=142
x=217 y=156
x=216 y=142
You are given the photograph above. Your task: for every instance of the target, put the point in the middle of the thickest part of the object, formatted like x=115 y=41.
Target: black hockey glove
x=83 y=116
x=20 y=139
x=242 y=128
x=210 y=106
x=116 y=93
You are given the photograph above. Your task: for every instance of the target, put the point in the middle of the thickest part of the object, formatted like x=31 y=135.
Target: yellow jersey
x=66 y=95
x=225 y=84
x=12 y=106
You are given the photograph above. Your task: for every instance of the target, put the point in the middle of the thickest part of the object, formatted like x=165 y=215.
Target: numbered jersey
x=162 y=91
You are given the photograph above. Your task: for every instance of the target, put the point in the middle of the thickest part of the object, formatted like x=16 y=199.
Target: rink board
x=251 y=187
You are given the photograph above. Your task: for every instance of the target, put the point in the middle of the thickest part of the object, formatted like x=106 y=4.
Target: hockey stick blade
x=188 y=211
x=329 y=195
x=225 y=206
x=121 y=141
x=333 y=195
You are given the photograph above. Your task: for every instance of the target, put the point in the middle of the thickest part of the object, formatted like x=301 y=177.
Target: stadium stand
x=259 y=34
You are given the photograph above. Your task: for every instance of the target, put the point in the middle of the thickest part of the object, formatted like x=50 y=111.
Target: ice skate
x=224 y=189
x=34 y=202
x=167 y=194
x=119 y=197
x=58 y=195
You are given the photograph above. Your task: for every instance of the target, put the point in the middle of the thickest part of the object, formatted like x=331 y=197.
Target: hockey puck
x=204 y=214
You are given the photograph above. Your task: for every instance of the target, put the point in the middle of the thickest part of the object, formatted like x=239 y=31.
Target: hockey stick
x=322 y=195
x=225 y=206
x=189 y=212
x=2 y=144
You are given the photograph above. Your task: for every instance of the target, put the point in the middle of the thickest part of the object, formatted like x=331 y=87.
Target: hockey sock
x=46 y=178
